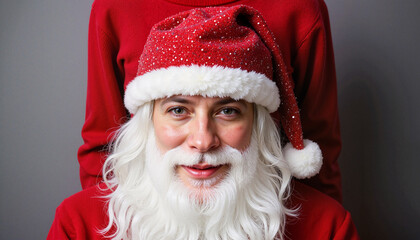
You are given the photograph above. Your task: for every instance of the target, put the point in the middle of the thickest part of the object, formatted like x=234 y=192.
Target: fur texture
x=304 y=163
x=206 y=81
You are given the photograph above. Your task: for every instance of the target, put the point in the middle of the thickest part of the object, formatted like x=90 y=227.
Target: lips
x=202 y=170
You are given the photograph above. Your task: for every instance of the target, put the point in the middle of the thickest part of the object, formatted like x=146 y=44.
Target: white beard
x=187 y=207
x=152 y=203
x=161 y=169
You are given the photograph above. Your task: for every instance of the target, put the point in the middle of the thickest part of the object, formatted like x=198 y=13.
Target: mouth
x=202 y=170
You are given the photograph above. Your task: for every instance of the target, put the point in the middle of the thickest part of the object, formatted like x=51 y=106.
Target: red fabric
x=208 y=37
x=320 y=217
x=118 y=31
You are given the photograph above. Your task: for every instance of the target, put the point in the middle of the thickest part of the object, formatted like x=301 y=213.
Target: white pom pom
x=304 y=163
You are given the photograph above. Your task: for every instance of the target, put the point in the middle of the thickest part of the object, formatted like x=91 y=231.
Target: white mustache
x=225 y=155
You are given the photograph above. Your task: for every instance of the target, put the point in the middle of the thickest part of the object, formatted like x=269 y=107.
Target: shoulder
x=120 y=8
x=80 y=216
x=124 y=22
x=90 y=196
x=306 y=11
x=103 y=5
x=291 y=21
x=111 y=11
x=318 y=215
x=85 y=207
x=311 y=201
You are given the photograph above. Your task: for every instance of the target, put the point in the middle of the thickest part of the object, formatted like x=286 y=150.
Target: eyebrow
x=230 y=100
x=181 y=99
x=178 y=99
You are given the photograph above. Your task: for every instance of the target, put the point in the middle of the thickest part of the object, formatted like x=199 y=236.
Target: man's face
x=202 y=125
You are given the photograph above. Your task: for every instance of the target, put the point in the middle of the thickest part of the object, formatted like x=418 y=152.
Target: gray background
x=43 y=63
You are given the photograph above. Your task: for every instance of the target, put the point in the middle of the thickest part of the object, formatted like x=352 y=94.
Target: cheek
x=237 y=137
x=168 y=137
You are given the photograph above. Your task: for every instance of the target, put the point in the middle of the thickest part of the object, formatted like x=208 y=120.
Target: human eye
x=229 y=113
x=177 y=111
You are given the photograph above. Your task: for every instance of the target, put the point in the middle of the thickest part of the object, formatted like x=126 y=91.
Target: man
x=201 y=156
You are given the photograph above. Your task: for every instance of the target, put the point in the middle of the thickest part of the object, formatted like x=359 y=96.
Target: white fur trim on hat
x=216 y=81
x=304 y=163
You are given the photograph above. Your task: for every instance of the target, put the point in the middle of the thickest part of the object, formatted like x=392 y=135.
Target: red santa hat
x=223 y=52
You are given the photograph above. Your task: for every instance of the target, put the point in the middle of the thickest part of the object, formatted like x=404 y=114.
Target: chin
x=202 y=179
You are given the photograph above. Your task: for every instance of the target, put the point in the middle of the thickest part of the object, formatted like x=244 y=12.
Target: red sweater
x=118 y=31
x=320 y=217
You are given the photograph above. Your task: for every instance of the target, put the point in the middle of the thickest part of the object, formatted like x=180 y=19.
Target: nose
x=203 y=135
